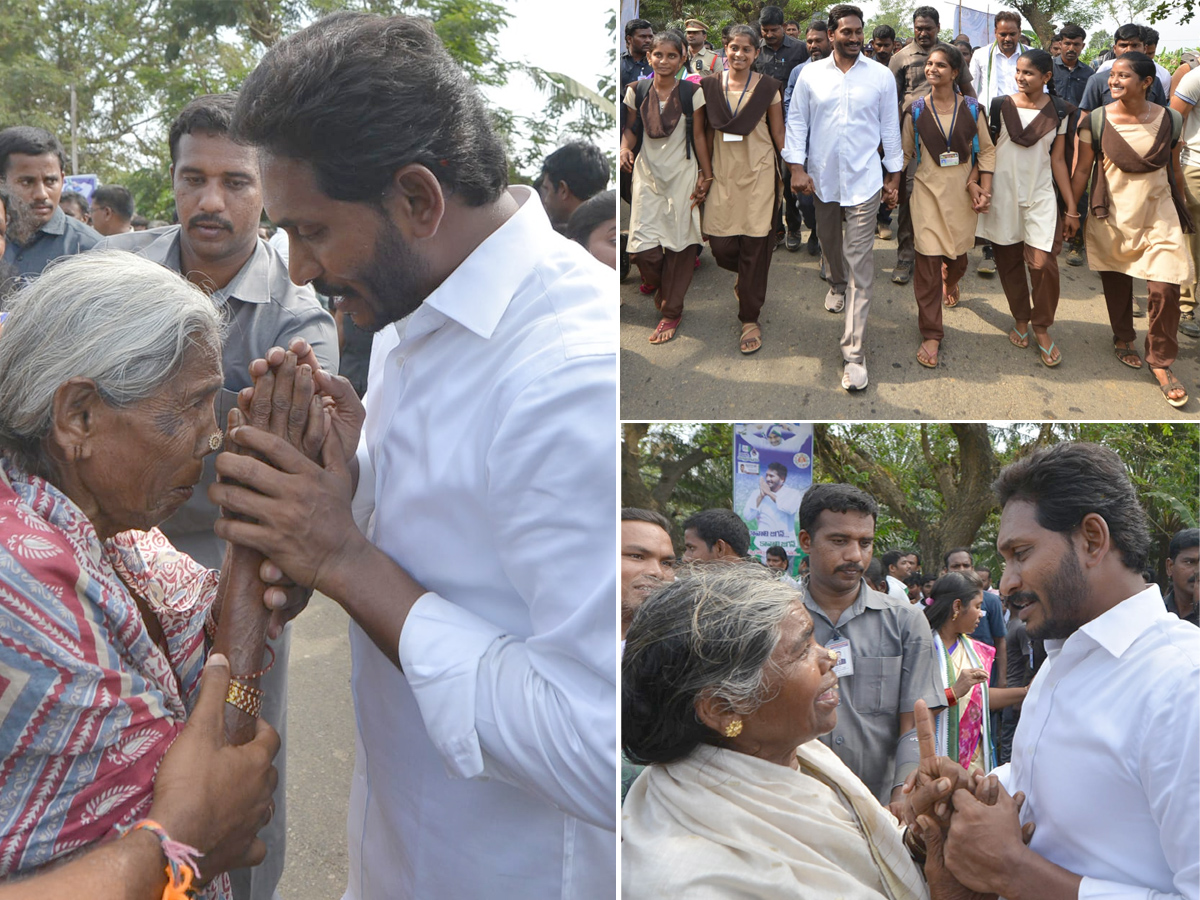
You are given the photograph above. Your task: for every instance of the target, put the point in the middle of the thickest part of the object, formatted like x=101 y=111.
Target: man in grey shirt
x=217 y=247
x=31 y=165
x=884 y=646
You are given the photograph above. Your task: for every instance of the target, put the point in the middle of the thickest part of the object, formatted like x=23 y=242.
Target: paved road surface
x=797 y=373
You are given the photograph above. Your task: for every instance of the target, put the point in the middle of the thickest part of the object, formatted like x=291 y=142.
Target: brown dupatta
x=721 y=117
x=661 y=123
x=1125 y=158
x=1039 y=126
x=961 y=137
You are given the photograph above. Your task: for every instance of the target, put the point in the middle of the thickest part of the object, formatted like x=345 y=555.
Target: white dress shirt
x=835 y=124
x=993 y=73
x=776 y=514
x=487 y=768
x=897 y=589
x=1108 y=754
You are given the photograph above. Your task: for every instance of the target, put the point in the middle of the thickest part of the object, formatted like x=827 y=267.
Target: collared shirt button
x=839 y=740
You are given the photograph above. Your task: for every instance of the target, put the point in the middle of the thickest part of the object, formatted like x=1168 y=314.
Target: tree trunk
x=633 y=490
x=1038 y=21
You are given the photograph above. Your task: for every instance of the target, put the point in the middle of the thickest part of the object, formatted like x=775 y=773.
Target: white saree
x=721 y=824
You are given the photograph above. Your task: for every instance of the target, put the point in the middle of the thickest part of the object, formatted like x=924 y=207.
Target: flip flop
x=1172 y=384
x=950 y=298
x=751 y=338
x=1047 y=355
x=1125 y=354
x=665 y=326
x=1023 y=342
x=646 y=289
x=926 y=359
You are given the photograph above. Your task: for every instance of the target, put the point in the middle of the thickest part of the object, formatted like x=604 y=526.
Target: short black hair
x=884 y=33
x=1129 y=32
x=792 y=22
x=581 y=165
x=211 y=113
x=777 y=552
x=637 y=514
x=778 y=467
x=29 y=141
x=712 y=525
x=817 y=25
x=1183 y=540
x=927 y=12
x=636 y=25
x=1150 y=35
x=838 y=498
x=77 y=198
x=116 y=198
x=890 y=558
x=1067 y=481
x=949 y=553
x=876 y=574
x=590 y=214
x=770 y=15
x=1073 y=32
x=984 y=569
x=1007 y=15
x=358 y=96
x=842 y=11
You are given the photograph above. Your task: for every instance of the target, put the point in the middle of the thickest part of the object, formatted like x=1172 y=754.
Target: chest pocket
x=876 y=684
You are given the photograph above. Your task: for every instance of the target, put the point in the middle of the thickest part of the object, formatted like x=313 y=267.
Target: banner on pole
x=974 y=23
x=772 y=468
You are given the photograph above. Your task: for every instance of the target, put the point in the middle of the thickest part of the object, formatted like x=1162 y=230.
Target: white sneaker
x=835 y=302
x=854 y=377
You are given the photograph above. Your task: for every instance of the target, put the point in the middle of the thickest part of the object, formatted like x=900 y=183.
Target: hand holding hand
x=211 y=795
x=802 y=183
x=626 y=160
x=985 y=842
x=927 y=790
x=1070 y=227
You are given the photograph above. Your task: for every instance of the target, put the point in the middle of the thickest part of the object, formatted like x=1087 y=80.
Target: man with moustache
x=31 y=167
x=1107 y=751
x=485 y=694
x=884 y=645
x=647 y=558
x=1183 y=566
x=217 y=247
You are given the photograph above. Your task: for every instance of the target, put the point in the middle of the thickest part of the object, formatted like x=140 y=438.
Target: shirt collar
x=1117 y=629
x=866 y=599
x=252 y=283
x=57 y=224
x=477 y=293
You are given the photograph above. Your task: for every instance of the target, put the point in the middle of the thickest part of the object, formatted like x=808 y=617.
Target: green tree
x=716 y=14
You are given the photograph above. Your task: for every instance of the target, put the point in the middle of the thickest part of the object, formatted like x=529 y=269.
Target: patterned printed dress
x=89 y=703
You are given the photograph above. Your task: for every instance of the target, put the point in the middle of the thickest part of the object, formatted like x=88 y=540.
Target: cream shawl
x=721 y=824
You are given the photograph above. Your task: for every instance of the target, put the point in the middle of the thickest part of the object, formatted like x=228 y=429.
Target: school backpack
x=918 y=107
x=687 y=93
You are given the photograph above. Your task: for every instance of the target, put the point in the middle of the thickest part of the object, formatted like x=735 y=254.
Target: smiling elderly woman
x=724 y=689
x=108 y=369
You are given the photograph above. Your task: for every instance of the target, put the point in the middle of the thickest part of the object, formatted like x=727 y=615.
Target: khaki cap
x=695 y=25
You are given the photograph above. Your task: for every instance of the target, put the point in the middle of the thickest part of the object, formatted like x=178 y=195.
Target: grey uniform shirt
x=61 y=236
x=891 y=648
x=263 y=310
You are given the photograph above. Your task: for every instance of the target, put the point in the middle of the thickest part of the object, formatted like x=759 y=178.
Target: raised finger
x=281 y=397
x=926 y=741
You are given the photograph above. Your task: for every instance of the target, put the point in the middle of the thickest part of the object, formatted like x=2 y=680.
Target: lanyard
x=734 y=111
x=953 y=118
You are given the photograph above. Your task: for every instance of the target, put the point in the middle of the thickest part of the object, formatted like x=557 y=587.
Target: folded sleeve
x=537 y=712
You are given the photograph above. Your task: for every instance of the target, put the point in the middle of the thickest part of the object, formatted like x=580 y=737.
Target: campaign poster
x=82 y=184
x=772 y=468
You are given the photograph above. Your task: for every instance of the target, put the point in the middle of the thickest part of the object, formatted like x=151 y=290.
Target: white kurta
x=664 y=178
x=488 y=767
x=1108 y=754
x=1024 y=205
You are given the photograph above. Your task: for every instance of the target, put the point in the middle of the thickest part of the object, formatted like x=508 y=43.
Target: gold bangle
x=244 y=697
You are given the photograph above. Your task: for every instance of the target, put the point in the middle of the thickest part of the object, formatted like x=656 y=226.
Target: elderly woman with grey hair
x=109 y=365
x=724 y=689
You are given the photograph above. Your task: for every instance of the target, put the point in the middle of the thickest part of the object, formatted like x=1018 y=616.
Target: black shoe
x=987 y=266
x=792 y=241
x=903 y=272
x=1188 y=326
x=813 y=246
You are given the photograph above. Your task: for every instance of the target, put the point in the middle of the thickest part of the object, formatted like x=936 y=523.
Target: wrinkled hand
x=294 y=511
x=985 y=843
x=928 y=788
x=967 y=679
x=212 y=795
x=284 y=401
x=942 y=884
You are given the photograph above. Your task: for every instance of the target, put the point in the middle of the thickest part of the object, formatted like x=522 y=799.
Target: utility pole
x=74 y=136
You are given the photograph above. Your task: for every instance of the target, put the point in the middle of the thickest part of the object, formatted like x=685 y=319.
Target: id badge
x=845 y=663
x=726 y=136
x=949 y=158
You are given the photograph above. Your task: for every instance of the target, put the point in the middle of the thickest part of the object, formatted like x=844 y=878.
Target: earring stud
x=733 y=729
x=214 y=440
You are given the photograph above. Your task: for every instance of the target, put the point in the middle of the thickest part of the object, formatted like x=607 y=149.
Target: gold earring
x=214 y=440
x=955 y=616
x=733 y=729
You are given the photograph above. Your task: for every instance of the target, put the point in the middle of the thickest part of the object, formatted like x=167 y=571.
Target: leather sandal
x=751 y=340
x=1173 y=384
x=665 y=330
x=1127 y=355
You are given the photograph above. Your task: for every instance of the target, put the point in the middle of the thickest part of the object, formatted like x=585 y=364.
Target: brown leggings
x=932 y=276
x=750 y=257
x=670 y=273
x=1011 y=262
x=1162 y=310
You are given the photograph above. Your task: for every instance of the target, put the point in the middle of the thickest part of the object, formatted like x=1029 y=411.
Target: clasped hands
x=287 y=477
x=970 y=825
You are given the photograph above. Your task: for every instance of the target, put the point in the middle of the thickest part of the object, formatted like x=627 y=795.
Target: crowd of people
x=181 y=466
x=850 y=732
x=742 y=142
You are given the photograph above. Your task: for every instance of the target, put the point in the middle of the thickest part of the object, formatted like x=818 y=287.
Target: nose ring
x=214 y=440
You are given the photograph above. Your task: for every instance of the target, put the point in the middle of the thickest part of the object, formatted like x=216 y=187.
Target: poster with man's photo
x=772 y=468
